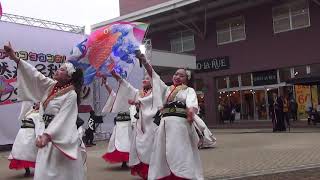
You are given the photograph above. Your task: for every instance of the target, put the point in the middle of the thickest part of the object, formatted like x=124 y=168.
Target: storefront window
x=235 y=103
x=222 y=82
x=300 y=71
x=285 y=74
x=247 y=105
x=223 y=106
x=246 y=79
x=234 y=82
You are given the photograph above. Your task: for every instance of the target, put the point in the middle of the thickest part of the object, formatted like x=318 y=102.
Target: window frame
x=178 y=36
x=290 y=17
x=230 y=29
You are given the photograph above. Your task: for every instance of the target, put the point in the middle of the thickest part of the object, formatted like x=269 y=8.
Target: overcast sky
x=75 y=12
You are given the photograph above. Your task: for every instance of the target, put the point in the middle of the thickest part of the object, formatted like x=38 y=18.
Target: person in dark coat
x=294 y=109
x=276 y=112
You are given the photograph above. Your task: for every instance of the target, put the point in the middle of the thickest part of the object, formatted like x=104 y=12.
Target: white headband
x=70 y=68
x=188 y=73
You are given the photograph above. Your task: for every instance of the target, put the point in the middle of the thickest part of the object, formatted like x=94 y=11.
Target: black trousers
x=294 y=115
x=287 y=119
x=89 y=136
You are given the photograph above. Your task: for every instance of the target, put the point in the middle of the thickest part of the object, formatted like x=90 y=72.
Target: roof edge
x=153 y=10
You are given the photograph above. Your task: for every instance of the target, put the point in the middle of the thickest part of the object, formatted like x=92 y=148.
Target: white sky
x=75 y=12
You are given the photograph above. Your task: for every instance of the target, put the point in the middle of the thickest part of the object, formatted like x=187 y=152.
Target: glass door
x=247 y=108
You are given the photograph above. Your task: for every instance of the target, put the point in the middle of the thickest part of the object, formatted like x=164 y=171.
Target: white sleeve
x=125 y=92
x=39 y=127
x=109 y=103
x=159 y=89
x=26 y=106
x=192 y=100
x=32 y=85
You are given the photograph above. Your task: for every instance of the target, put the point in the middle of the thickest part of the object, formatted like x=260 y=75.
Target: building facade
x=246 y=51
x=129 y=6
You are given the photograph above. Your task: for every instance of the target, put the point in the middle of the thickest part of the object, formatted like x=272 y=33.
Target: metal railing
x=42 y=23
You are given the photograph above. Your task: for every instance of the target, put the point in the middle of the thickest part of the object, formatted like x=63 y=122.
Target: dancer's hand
x=45 y=139
x=104 y=81
x=136 y=103
x=116 y=76
x=42 y=140
x=142 y=58
x=38 y=141
x=131 y=102
x=10 y=53
x=143 y=61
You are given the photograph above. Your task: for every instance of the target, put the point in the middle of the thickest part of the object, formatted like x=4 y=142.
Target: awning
x=309 y=80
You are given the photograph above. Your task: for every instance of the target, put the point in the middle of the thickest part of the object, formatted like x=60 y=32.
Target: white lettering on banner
x=223 y=62
x=206 y=65
x=213 y=64
x=199 y=66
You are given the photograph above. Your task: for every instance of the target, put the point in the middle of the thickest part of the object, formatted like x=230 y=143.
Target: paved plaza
x=239 y=154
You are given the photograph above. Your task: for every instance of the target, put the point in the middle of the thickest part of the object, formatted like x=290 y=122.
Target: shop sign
x=264 y=78
x=213 y=64
x=303 y=98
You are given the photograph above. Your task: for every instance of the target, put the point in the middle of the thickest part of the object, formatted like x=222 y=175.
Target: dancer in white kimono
x=144 y=130
x=24 y=150
x=59 y=154
x=175 y=154
x=119 y=143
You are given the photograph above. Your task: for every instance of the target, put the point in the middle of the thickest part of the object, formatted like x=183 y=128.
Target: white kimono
x=176 y=141
x=119 y=142
x=24 y=147
x=61 y=158
x=144 y=130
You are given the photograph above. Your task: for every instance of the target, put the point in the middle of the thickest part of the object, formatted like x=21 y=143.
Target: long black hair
x=77 y=82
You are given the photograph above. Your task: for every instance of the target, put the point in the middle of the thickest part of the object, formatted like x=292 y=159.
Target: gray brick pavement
x=239 y=153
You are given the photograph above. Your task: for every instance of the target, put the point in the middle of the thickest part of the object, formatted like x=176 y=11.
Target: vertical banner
x=303 y=95
x=314 y=95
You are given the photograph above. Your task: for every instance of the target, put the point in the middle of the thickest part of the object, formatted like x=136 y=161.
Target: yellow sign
x=303 y=97
x=314 y=92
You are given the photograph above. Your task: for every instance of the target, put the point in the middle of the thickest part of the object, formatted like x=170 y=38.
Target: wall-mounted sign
x=213 y=64
x=265 y=78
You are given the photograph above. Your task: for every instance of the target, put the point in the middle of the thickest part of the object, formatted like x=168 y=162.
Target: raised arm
x=143 y=60
x=32 y=85
x=106 y=85
x=10 y=53
x=159 y=88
